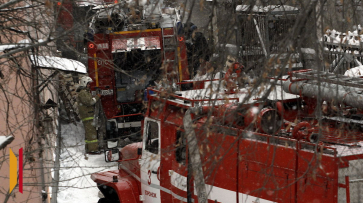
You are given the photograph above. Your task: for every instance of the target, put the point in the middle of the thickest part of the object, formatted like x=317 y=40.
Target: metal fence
x=262 y=32
x=342 y=57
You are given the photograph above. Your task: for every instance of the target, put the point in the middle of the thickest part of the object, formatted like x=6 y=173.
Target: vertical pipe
x=237 y=167
x=267 y=35
x=314 y=6
x=296 y=168
x=347 y=189
x=57 y=163
x=235 y=27
x=213 y=23
x=96 y=69
x=179 y=65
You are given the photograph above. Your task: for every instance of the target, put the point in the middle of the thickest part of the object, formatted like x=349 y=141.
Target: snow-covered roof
x=59 y=63
x=242 y=94
x=270 y=8
x=355 y=72
x=247 y=7
x=104 y=6
x=8 y=46
x=280 y=8
x=24 y=41
x=308 y=51
x=20 y=44
x=89 y=3
x=349 y=151
x=5 y=140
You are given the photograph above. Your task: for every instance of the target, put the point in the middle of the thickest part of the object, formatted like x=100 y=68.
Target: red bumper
x=127 y=186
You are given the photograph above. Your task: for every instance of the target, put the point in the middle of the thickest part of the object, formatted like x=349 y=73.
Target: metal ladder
x=169 y=48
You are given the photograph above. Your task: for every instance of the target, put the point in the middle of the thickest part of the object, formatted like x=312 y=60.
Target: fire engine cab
x=257 y=144
x=130 y=49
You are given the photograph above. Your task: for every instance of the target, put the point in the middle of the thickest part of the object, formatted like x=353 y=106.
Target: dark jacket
x=200 y=47
x=197 y=48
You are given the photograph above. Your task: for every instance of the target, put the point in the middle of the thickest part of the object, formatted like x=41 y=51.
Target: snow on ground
x=76 y=185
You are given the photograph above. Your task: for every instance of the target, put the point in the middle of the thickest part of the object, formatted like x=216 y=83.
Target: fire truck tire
x=104 y=200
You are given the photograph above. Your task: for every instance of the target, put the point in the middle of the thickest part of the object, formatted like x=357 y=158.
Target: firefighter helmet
x=84 y=81
x=192 y=28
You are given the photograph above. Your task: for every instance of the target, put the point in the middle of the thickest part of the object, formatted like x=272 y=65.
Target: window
x=152 y=139
x=180 y=147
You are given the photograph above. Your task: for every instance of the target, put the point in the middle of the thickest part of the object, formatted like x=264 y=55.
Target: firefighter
x=187 y=30
x=232 y=56
x=86 y=109
x=197 y=50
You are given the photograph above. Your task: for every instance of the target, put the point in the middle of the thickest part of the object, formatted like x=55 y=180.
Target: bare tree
x=269 y=38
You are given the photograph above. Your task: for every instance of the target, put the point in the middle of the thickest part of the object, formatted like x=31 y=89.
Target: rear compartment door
x=150 y=162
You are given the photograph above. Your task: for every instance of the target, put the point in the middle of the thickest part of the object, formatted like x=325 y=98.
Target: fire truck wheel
x=104 y=200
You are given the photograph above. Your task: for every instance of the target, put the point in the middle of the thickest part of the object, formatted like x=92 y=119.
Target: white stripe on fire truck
x=153 y=185
x=214 y=193
x=178 y=181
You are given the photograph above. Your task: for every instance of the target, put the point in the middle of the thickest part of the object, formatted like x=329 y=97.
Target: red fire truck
x=248 y=146
x=130 y=52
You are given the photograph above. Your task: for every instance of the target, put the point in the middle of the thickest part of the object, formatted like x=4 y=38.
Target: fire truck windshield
x=139 y=69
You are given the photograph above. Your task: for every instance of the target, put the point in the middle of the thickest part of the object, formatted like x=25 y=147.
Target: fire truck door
x=150 y=162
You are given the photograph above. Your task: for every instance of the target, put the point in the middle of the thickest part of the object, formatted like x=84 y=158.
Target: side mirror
x=112 y=156
x=112 y=143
